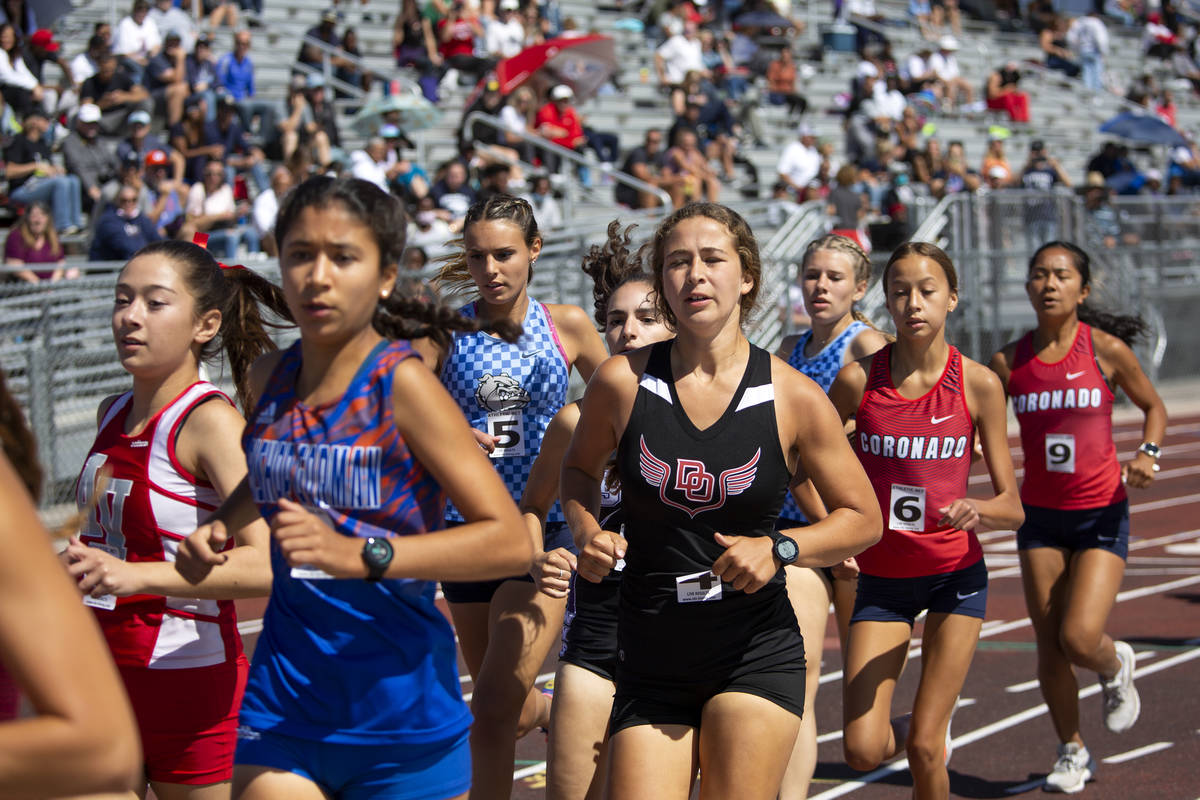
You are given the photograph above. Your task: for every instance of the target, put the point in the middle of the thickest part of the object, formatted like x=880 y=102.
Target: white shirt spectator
x=367 y=168
x=863 y=8
x=82 y=68
x=17 y=74
x=546 y=210
x=680 y=55
x=945 y=65
x=799 y=163
x=514 y=121
x=1087 y=35
x=137 y=40
x=916 y=67
x=890 y=104
x=177 y=20
x=266 y=208
x=433 y=239
x=200 y=203
x=505 y=39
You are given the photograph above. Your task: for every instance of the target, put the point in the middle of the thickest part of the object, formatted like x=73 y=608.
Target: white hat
x=89 y=112
x=867 y=70
x=947 y=43
x=561 y=92
x=1154 y=175
x=509 y=5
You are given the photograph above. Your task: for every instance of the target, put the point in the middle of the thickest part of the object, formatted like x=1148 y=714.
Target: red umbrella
x=584 y=63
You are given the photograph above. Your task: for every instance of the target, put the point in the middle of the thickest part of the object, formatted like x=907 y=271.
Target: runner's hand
x=748 y=562
x=601 y=555
x=97 y=573
x=305 y=540
x=551 y=572
x=485 y=440
x=1139 y=472
x=961 y=514
x=201 y=551
x=847 y=570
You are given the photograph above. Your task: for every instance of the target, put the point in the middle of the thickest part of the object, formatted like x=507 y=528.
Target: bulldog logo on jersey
x=500 y=393
x=692 y=478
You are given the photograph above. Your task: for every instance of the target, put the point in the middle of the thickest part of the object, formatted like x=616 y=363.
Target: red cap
x=157 y=158
x=44 y=39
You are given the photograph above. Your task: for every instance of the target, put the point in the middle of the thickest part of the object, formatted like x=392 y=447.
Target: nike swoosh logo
x=1073 y=375
x=962 y=596
x=939 y=420
x=531 y=354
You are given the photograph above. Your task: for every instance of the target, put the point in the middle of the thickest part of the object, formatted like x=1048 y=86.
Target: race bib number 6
x=907 y=508
x=506 y=427
x=1060 y=452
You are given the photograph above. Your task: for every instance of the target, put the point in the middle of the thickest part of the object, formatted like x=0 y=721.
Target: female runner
x=1073 y=545
x=833 y=276
x=918 y=404
x=508 y=392
x=577 y=757
x=354 y=689
x=709 y=431
x=169 y=450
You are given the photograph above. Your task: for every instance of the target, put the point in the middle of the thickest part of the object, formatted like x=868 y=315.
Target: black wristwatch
x=784 y=548
x=377 y=555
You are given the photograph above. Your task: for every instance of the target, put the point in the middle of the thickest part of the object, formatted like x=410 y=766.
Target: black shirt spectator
x=326 y=32
x=638 y=157
x=24 y=151
x=196 y=139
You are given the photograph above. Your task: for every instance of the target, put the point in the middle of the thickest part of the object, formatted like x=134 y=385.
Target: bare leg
x=745 y=742
x=656 y=761
x=875 y=658
x=577 y=755
x=810 y=595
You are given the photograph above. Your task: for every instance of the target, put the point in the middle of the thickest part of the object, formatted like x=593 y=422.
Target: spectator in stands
x=196 y=139
x=212 y=209
x=320 y=110
x=411 y=181
x=954 y=175
x=518 y=118
x=559 y=122
x=945 y=12
x=166 y=78
x=201 y=73
x=220 y=12
x=493 y=181
x=371 y=164
x=266 y=208
x=995 y=159
x=141 y=141
x=350 y=71
x=1183 y=164
x=957 y=91
x=1158 y=40
x=1113 y=163
x=689 y=176
x=460 y=35
x=122 y=229
x=33 y=241
x=1056 y=52
x=731 y=77
x=138 y=39
x=1088 y=38
x=414 y=259
x=1183 y=66
x=847 y=204
x=921 y=11
x=506 y=33
x=21 y=14
x=87 y=63
x=166 y=198
x=919 y=73
x=170 y=18
x=781 y=83
x=675 y=58
x=241 y=157
x=129 y=174
x=113 y=90
x=800 y=162
x=715 y=129
x=299 y=133
x=235 y=74
x=415 y=47
x=429 y=230
x=452 y=193
x=1041 y=174
x=59 y=97
x=1003 y=94
x=1165 y=108
x=645 y=164
x=325 y=31
x=33 y=178
x=1102 y=221
x=18 y=84
x=88 y=157
x=545 y=207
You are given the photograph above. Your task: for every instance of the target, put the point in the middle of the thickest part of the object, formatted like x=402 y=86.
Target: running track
x=1004 y=744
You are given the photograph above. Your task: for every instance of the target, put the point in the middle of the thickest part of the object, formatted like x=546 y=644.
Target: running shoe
x=1121 y=702
x=1073 y=769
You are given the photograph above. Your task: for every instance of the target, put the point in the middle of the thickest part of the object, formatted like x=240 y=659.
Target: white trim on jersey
x=656 y=386
x=756 y=395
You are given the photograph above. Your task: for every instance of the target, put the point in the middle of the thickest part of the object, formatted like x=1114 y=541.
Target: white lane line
x=1021 y=788
x=250 y=626
x=531 y=770
x=1170 y=502
x=1017 y=688
x=1121 y=758
x=995 y=727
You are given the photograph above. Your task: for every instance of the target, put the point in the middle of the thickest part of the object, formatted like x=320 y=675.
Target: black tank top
x=679 y=485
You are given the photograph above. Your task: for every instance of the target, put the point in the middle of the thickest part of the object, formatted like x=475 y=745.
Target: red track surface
x=1004 y=743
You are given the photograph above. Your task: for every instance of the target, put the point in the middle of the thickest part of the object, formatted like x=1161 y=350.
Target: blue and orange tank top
x=511 y=391
x=917 y=454
x=347 y=660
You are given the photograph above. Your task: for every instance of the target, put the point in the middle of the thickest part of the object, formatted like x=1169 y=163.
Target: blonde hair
x=836 y=243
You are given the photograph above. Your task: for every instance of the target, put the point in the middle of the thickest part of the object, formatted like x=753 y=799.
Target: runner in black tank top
x=709 y=432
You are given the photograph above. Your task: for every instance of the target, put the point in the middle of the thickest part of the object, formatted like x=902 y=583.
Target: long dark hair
x=612 y=265
x=1126 y=327
x=18 y=442
x=239 y=294
x=399 y=315
x=454 y=276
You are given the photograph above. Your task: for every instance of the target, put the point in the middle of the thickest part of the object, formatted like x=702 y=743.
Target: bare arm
x=985 y=399
x=81 y=737
x=551 y=571
x=585 y=348
x=1128 y=375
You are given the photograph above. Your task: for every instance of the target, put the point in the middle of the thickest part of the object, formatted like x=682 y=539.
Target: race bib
x=907 y=508
x=699 y=587
x=108 y=602
x=1060 y=452
x=507 y=428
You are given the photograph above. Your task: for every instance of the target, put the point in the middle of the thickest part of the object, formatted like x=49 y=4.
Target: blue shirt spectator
x=122 y=230
x=235 y=71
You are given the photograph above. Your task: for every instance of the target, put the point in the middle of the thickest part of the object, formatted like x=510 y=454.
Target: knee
x=925 y=749
x=1078 y=644
x=497 y=708
x=862 y=753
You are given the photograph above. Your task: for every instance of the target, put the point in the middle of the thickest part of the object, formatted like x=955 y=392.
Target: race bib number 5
x=907 y=508
x=1060 y=452
x=507 y=428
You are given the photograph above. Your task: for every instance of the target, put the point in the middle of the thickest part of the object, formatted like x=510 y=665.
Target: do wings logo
x=698 y=485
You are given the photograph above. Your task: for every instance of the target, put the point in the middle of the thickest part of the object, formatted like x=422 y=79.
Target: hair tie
x=201 y=239
x=231 y=266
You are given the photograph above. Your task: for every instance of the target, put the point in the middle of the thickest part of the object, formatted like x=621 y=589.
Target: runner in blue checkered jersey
x=509 y=393
x=834 y=274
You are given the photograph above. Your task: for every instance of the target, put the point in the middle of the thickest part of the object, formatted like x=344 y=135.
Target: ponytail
x=611 y=266
x=1126 y=327
x=405 y=314
x=18 y=442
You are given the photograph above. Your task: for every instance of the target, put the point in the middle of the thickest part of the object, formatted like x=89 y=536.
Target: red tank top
x=1065 y=412
x=150 y=505
x=918 y=456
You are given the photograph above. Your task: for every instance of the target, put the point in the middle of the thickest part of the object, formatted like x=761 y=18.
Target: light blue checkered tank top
x=512 y=391
x=822 y=368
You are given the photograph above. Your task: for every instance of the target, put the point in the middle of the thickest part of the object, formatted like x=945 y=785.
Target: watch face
x=786 y=550
x=377 y=552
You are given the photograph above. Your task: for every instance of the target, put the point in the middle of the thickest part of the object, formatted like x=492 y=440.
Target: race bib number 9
x=1060 y=452
x=506 y=427
x=907 y=508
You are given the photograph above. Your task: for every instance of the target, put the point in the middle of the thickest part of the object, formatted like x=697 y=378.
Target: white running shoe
x=1073 y=769
x=1121 y=702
